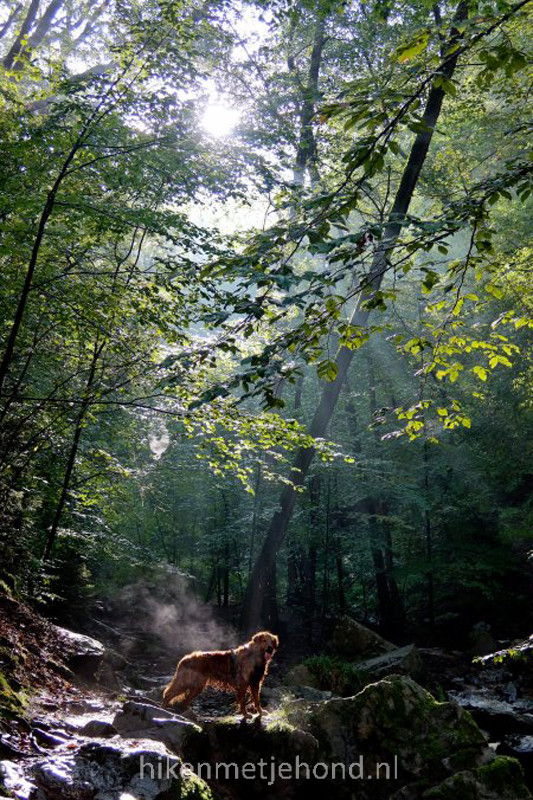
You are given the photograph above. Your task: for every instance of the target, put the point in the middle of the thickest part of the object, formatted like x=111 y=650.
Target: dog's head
x=268 y=642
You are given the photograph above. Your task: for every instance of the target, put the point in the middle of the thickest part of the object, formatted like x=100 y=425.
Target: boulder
x=301 y=675
x=234 y=743
x=401 y=661
x=311 y=694
x=110 y=771
x=337 y=676
x=521 y=748
x=273 y=697
x=350 y=639
x=83 y=654
x=498 y=717
x=500 y=779
x=13 y=781
x=395 y=722
x=393 y=730
x=99 y=728
x=140 y=720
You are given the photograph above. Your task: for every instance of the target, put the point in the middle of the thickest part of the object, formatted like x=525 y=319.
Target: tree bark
x=71 y=460
x=330 y=394
x=10 y=20
x=25 y=28
x=306 y=153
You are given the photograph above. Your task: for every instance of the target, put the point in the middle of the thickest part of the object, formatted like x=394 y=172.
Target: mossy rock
x=501 y=779
x=350 y=639
x=230 y=741
x=393 y=719
x=194 y=788
x=12 y=701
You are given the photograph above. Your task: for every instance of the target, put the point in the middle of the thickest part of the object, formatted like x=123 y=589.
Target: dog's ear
x=276 y=639
x=257 y=636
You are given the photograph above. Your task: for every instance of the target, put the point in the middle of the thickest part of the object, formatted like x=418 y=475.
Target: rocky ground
x=81 y=721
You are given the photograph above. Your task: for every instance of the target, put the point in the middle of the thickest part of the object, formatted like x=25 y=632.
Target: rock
x=501 y=779
x=498 y=717
x=519 y=655
x=140 y=720
x=13 y=780
x=402 y=661
x=83 y=654
x=115 y=660
x=300 y=675
x=351 y=639
x=395 y=722
x=110 y=771
x=521 y=748
x=272 y=697
x=393 y=730
x=98 y=728
x=311 y=694
x=234 y=742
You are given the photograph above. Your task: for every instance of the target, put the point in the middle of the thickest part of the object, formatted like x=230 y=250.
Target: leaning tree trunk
x=258 y=580
x=305 y=161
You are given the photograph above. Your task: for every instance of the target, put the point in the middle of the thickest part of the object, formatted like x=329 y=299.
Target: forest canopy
x=266 y=312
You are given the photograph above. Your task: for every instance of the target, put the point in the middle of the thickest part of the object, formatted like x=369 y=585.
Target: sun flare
x=219 y=120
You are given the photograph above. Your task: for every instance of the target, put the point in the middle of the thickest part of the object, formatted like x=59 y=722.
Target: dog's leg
x=255 y=691
x=177 y=686
x=241 y=701
x=191 y=694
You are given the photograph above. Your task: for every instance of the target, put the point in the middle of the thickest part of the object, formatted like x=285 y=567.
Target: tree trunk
x=306 y=156
x=71 y=460
x=429 y=543
x=340 y=578
x=392 y=615
x=10 y=20
x=25 y=28
x=225 y=602
x=330 y=394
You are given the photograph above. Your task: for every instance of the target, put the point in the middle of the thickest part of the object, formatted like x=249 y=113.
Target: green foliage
x=129 y=315
x=336 y=675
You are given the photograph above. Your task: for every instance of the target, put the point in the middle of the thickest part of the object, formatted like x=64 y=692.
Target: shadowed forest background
x=266 y=309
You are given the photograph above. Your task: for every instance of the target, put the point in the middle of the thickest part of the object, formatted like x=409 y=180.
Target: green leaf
x=327 y=370
x=413 y=48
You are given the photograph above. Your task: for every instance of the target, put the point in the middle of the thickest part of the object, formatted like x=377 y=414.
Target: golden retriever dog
x=241 y=669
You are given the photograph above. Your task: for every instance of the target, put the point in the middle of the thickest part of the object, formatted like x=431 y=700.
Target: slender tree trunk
x=211 y=585
x=17 y=8
x=26 y=288
x=340 y=577
x=298 y=393
x=226 y=576
x=330 y=394
x=71 y=460
x=255 y=515
x=25 y=28
x=306 y=156
x=325 y=577
x=382 y=584
x=293 y=588
x=219 y=588
x=429 y=543
x=391 y=606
